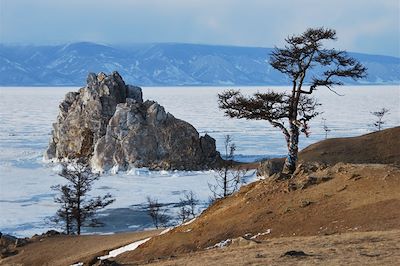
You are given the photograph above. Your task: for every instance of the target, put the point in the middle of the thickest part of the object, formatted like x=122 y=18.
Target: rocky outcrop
x=108 y=123
x=144 y=135
x=9 y=245
x=270 y=167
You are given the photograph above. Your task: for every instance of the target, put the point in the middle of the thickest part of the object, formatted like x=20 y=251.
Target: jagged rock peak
x=84 y=115
x=107 y=123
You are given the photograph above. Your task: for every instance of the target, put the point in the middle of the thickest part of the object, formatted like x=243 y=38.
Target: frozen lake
x=26 y=201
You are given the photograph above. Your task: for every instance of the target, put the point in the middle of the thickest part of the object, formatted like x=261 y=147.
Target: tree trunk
x=293 y=149
x=78 y=212
x=79 y=226
x=225 y=181
x=68 y=222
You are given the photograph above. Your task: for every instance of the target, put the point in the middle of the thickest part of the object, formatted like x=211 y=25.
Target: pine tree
x=291 y=111
x=76 y=206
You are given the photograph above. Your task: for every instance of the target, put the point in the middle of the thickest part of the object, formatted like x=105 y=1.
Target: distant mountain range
x=162 y=64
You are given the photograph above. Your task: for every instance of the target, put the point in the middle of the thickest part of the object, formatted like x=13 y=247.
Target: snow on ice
x=26 y=200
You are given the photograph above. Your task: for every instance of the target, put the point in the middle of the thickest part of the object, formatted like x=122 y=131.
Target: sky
x=368 y=26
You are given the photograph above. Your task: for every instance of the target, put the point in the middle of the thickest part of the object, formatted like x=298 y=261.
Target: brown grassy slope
x=349 y=198
x=377 y=147
x=356 y=248
x=66 y=250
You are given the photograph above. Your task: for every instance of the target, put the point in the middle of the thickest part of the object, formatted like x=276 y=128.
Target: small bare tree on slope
x=296 y=60
x=227 y=178
x=156 y=212
x=325 y=128
x=187 y=208
x=379 y=115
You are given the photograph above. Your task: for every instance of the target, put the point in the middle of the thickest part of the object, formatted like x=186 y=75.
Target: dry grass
x=378 y=147
x=339 y=199
x=66 y=250
x=360 y=248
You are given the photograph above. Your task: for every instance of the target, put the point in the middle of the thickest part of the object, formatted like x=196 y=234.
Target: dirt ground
x=360 y=248
x=377 y=147
x=316 y=202
x=66 y=250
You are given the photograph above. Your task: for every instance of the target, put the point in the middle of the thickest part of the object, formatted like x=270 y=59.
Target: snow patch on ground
x=166 y=230
x=222 y=244
x=77 y=264
x=261 y=234
x=189 y=222
x=118 y=251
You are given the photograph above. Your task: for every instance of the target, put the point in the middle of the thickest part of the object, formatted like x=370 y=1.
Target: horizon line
x=112 y=45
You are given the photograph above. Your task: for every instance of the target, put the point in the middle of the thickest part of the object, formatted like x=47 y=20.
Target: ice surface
x=27 y=114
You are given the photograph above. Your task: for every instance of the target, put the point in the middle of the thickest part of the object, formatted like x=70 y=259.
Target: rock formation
x=107 y=123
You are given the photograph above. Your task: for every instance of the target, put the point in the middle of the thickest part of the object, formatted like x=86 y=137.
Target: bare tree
x=187 y=206
x=296 y=60
x=76 y=205
x=64 y=213
x=156 y=212
x=183 y=213
x=379 y=115
x=326 y=128
x=191 y=201
x=228 y=178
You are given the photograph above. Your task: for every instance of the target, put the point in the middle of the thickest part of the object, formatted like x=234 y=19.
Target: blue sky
x=370 y=26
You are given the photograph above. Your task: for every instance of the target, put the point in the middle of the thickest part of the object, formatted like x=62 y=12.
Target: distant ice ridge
x=144 y=171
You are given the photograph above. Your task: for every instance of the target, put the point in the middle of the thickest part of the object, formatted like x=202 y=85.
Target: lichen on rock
x=107 y=123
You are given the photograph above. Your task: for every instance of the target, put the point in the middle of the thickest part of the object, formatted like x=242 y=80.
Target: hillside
x=343 y=213
x=319 y=200
x=377 y=147
x=330 y=201
x=160 y=64
x=355 y=248
x=60 y=250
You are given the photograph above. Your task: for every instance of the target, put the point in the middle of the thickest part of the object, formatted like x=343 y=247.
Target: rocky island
x=108 y=124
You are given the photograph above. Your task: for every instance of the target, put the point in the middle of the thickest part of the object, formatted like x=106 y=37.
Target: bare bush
x=156 y=212
x=326 y=128
x=188 y=205
x=227 y=178
x=379 y=115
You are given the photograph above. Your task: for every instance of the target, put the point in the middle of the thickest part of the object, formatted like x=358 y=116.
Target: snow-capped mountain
x=163 y=64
